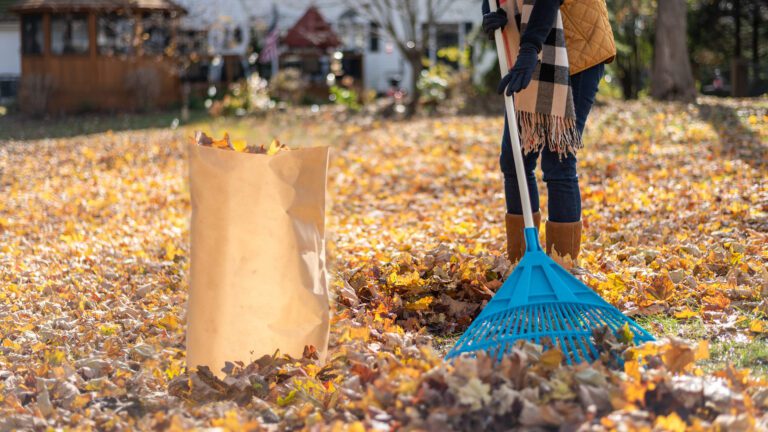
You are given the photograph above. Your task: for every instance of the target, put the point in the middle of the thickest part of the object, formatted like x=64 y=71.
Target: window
x=9 y=87
x=447 y=35
x=443 y=35
x=115 y=34
x=192 y=43
x=32 y=34
x=69 y=34
x=157 y=33
x=352 y=30
x=373 y=38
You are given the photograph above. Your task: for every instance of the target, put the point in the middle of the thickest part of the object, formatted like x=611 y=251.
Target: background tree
x=672 y=78
x=727 y=32
x=401 y=21
x=632 y=22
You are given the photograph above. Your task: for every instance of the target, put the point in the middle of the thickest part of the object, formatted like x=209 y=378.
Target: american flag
x=269 y=49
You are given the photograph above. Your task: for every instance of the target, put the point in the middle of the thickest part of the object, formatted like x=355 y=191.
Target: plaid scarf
x=545 y=110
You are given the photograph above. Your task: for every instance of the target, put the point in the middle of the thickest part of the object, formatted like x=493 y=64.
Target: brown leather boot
x=564 y=242
x=515 y=229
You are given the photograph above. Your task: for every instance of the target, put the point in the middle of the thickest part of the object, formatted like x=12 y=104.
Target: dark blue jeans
x=564 y=203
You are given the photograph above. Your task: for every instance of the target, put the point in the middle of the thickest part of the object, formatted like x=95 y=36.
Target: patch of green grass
x=444 y=343
x=15 y=127
x=667 y=326
x=747 y=354
x=738 y=348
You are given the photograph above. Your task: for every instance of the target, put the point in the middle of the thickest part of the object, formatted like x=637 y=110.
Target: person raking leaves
x=554 y=79
x=540 y=301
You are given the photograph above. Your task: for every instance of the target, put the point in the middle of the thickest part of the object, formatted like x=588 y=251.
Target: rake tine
x=594 y=317
x=617 y=323
x=560 y=319
x=585 y=339
x=577 y=314
x=575 y=349
x=514 y=322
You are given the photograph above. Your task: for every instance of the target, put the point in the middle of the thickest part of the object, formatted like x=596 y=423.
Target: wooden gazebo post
x=92 y=36
x=47 y=34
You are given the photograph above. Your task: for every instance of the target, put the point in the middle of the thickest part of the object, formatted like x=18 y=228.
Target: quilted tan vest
x=588 y=34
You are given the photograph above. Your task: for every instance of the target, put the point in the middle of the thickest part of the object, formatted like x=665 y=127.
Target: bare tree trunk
x=755 y=42
x=416 y=67
x=672 y=75
x=401 y=21
x=739 y=69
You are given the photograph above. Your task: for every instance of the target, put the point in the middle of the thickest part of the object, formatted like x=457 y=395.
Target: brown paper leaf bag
x=258 y=279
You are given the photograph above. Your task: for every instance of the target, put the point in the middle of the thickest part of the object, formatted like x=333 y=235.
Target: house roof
x=311 y=31
x=22 y=6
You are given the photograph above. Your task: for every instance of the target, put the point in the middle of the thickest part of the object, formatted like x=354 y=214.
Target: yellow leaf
x=702 y=351
x=81 y=401
x=634 y=392
x=411 y=279
x=552 y=358
x=108 y=329
x=632 y=369
x=670 y=423
x=283 y=401
x=171 y=251
x=624 y=334
x=274 y=147
x=229 y=422
x=54 y=357
x=685 y=314
x=173 y=370
x=11 y=344
x=169 y=322
x=239 y=145
x=758 y=326
x=420 y=304
x=352 y=333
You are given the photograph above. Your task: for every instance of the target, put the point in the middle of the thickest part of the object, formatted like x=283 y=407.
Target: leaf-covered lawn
x=94 y=253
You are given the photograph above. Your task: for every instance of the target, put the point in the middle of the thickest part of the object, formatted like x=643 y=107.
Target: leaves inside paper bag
x=274 y=147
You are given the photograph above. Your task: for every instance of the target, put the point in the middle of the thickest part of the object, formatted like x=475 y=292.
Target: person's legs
x=561 y=177
x=564 y=199
x=514 y=217
x=511 y=188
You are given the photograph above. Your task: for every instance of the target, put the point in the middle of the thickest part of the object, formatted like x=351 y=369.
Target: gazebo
x=97 y=55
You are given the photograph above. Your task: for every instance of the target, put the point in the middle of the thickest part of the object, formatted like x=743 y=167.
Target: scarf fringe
x=559 y=133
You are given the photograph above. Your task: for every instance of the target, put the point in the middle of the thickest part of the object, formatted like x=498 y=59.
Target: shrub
x=346 y=97
x=244 y=97
x=288 y=86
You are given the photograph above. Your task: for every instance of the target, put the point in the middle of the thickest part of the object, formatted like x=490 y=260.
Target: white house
x=381 y=59
x=227 y=22
x=10 y=53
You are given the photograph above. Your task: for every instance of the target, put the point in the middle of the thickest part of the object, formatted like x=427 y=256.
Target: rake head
x=541 y=300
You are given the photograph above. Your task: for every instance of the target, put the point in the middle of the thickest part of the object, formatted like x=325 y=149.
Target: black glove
x=493 y=21
x=520 y=75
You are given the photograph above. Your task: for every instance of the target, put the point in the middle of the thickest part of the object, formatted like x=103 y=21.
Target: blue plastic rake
x=540 y=300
